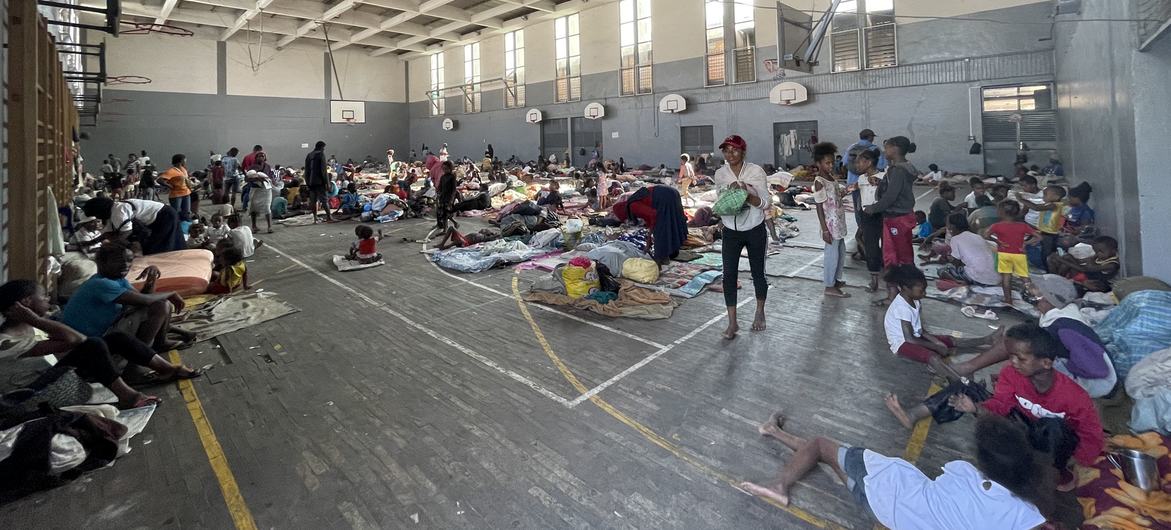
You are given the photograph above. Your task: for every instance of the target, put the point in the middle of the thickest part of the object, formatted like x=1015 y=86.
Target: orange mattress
x=186 y=272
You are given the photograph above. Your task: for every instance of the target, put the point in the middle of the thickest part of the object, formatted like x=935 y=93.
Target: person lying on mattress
x=107 y=303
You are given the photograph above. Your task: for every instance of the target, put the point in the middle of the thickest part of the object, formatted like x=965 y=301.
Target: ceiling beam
x=566 y=8
x=333 y=12
x=168 y=6
x=245 y=18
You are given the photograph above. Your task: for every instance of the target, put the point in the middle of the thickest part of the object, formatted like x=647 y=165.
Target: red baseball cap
x=734 y=141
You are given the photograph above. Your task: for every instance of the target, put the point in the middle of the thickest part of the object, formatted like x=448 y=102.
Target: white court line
x=463 y=349
x=806 y=266
x=924 y=194
x=615 y=331
x=606 y=384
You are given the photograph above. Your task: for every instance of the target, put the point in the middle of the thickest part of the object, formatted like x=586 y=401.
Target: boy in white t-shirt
x=904 y=323
x=971 y=260
x=1009 y=488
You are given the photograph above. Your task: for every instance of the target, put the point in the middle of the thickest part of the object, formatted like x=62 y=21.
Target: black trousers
x=93 y=360
x=734 y=241
x=1048 y=247
x=870 y=226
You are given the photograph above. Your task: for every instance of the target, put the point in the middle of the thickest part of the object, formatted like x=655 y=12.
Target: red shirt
x=249 y=159
x=1010 y=236
x=641 y=209
x=367 y=247
x=1065 y=400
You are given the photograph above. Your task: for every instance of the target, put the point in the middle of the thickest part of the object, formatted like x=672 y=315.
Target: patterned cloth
x=1109 y=502
x=1139 y=326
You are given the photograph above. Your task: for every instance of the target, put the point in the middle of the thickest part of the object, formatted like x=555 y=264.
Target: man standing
x=318 y=180
x=865 y=143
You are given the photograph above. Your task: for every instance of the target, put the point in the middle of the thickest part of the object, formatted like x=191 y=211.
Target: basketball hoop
x=128 y=80
x=349 y=121
x=142 y=28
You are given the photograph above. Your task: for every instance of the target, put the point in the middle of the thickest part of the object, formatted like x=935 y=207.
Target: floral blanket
x=1109 y=502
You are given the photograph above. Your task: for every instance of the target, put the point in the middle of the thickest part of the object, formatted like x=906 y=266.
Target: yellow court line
x=919 y=435
x=238 y=509
x=645 y=431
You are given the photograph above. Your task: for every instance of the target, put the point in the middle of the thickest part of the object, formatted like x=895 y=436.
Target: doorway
x=793 y=143
x=554 y=138
x=696 y=140
x=587 y=136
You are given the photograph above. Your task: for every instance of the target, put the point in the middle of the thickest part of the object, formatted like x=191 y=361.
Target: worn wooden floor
x=402 y=396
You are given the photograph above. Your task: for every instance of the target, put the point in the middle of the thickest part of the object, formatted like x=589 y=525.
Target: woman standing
x=896 y=203
x=745 y=229
x=179 y=193
x=870 y=227
x=827 y=193
x=260 y=179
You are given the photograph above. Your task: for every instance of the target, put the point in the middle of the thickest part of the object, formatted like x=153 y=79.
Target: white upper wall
x=678 y=28
x=189 y=65
x=174 y=64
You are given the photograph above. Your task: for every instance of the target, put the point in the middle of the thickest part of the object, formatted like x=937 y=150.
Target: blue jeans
x=833 y=261
x=182 y=206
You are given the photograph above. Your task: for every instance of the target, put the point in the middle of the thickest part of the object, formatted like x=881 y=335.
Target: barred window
x=438 y=105
x=471 y=88
x=567 y=42
x=514 y=69
x=864 y=35
x=635 y=32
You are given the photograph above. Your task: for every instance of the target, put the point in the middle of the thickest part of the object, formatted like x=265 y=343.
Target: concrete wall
x=1152 y=91
x=207 y=95
x=165 y=123
x=1102 y=82
x=931 y=108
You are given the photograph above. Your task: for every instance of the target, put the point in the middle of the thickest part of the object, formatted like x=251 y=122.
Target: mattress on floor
x=186 y=272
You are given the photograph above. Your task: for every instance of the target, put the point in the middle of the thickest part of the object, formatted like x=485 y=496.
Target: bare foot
x=776 y=421
x=761 y=491
x=835 y=292
x=758 y=324
x=731 y=331
x=892 y=404
x=873 y=285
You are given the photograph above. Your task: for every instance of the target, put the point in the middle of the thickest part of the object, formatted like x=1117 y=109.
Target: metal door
x=587 y=136
x=554 y=138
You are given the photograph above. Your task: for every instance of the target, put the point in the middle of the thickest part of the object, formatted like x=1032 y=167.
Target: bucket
x=1138 y=468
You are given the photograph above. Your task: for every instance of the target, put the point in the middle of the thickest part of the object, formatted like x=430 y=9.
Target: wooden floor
x=403 y=396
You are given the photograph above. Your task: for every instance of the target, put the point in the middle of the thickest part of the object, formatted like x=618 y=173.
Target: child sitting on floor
x=1057 y=413
x=197 y=235
x=923 y=227
x=904 y=321
x=932 y=178
x=1079 y=217
x=937 y=218
x=87 y=237
x=351 y=202
x=1011 y=235
x=365 y=249
x=1094 y=274
x=229 y=273
x=970 y=260
x=553 y=197
x=217 y=230
x=978 y=188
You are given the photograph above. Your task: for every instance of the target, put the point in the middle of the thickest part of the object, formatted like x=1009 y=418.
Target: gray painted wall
x=1152 y=91
x=933 y=110
x=165 y=123
x=1095 y=72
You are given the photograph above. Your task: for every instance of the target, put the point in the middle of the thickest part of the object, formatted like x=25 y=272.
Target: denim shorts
x=851 y=461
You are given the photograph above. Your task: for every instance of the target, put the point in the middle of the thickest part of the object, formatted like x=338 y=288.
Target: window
x=744 y=51
x=697 y=140
x=864 y=35
x=1017 y=98
x=567 y=41
x=514 y=69
x=740 y=37
x=714 y=60
x=471 y=88
x=438 y=105
x=635 y=31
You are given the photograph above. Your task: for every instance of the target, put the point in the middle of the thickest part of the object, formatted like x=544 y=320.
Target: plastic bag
x=580 y=282
x=573 y=225
x=640 y=270
x=943 y=412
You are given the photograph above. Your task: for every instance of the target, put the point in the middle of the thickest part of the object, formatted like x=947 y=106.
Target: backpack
x=855 y=150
